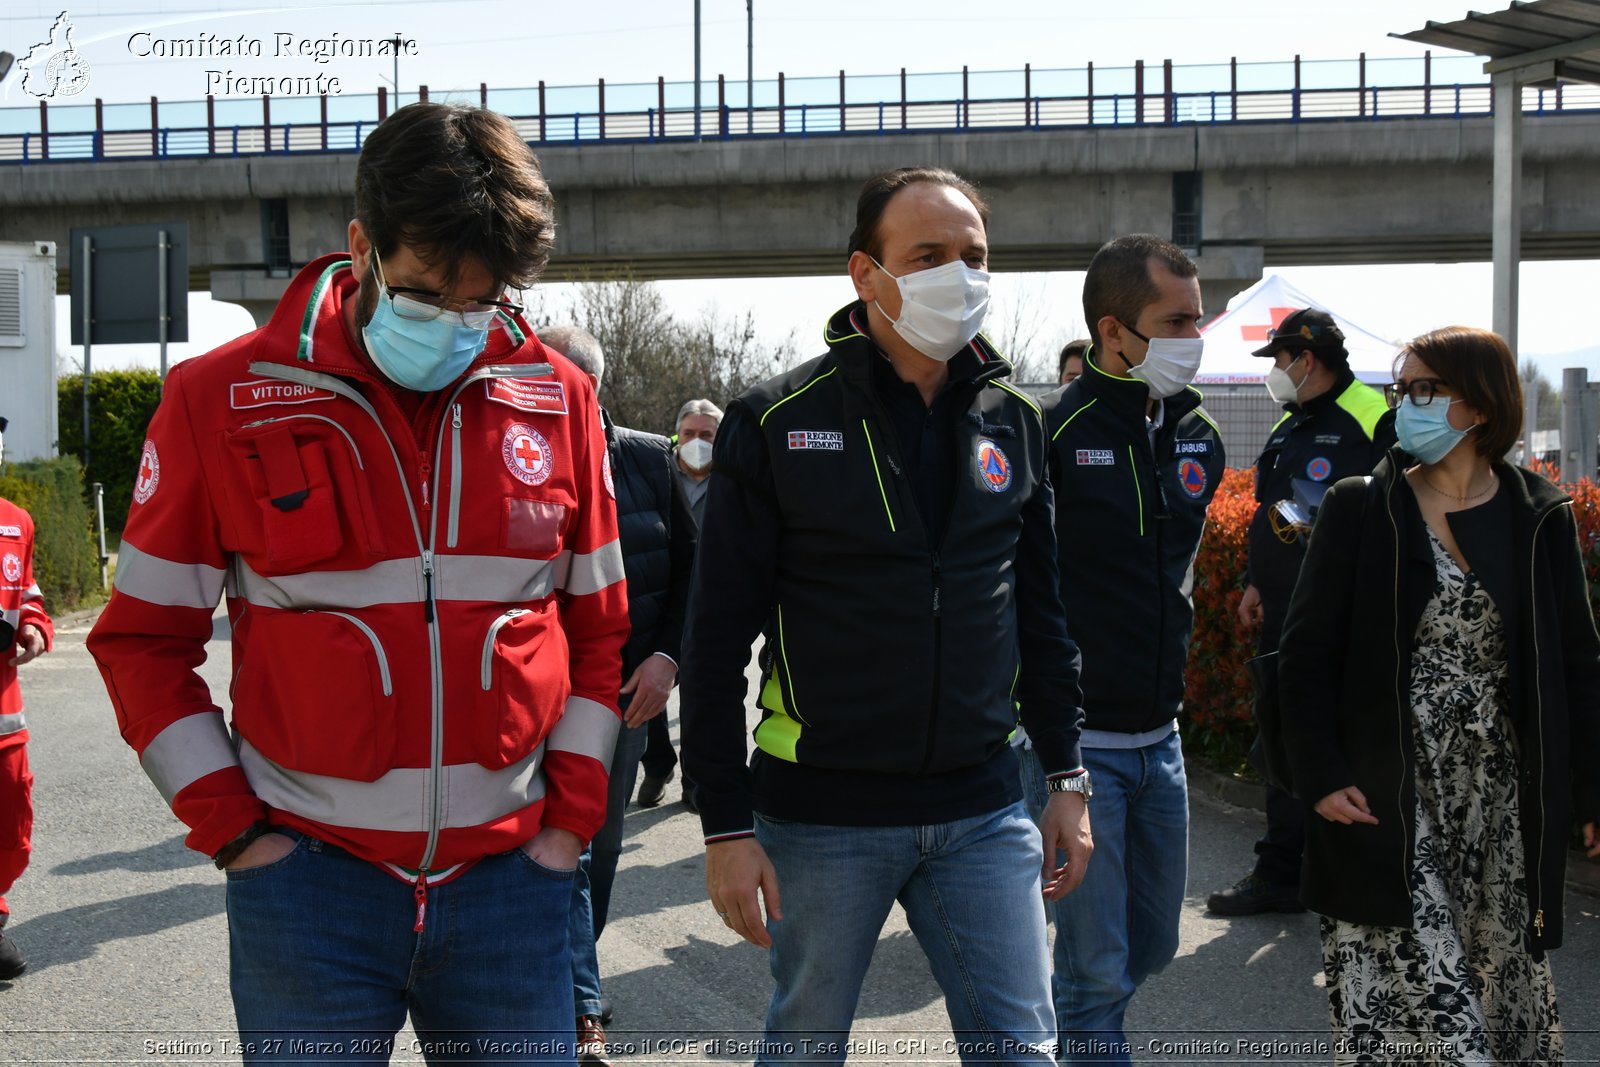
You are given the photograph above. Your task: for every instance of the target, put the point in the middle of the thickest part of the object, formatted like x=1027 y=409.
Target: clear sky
x=459 y=43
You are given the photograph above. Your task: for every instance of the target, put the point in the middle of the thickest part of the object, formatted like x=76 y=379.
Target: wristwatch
x=1076 y=783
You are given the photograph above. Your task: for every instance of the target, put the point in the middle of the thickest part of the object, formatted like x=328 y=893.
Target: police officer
x=1332 y=427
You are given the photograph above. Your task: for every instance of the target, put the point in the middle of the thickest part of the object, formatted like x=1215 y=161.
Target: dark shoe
x=1254 y=895
x=605 y=1011
x=592 y=1042
x=11 y=961
x=652 y=790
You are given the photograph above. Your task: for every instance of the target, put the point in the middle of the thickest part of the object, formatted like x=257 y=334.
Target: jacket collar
x=853 y=349
x=1532 y=496
x=308 y=329
x=1128 y=396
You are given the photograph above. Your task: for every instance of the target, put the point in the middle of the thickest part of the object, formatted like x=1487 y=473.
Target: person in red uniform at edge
x=407 y=499
x=25 y=634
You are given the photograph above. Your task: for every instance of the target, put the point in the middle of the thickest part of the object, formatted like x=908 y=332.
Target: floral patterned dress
x=1459 y=985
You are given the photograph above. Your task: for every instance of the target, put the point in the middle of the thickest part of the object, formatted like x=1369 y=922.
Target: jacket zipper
x=377 y=647
x=486 y=676
x=455 y=476
x=1538 y=705
x=1402 y=701
x=876 y=470
x=319 y=418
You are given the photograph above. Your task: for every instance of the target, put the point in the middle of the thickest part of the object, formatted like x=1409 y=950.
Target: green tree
x=121 y=403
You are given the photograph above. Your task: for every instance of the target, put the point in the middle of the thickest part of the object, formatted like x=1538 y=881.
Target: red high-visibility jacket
x=20 y=602
x=428 y=608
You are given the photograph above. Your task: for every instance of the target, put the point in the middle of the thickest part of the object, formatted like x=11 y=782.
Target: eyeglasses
x=1420 y=390
x=422 y=305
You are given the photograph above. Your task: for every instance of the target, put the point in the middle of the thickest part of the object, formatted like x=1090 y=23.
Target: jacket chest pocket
x=522 y=684
x=301 y=496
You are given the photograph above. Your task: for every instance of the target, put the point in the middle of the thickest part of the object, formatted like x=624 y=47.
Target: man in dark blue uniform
x=1333 y=427
x=1135 y=461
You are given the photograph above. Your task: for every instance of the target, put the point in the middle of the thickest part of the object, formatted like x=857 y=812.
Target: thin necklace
x=1480 y=494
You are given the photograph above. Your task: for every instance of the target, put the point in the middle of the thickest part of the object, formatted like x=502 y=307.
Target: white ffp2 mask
x=695 y=453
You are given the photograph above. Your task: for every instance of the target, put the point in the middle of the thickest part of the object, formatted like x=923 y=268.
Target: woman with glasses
x=1441 y=712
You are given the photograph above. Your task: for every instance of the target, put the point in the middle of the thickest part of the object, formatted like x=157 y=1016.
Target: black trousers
x=1279 y=850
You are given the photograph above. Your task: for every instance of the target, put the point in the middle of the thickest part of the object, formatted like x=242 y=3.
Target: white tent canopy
x=1239 y=331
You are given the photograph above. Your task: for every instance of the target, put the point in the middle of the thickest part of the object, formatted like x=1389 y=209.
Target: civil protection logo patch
x=527 y=454
x=993 y=466
x=12 y=567
x=149 y=473
x=1192 y=476
x=1319 y=469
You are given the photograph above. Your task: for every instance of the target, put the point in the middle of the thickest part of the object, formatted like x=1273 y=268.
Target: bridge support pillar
x=252 y=290
x=1225 y=272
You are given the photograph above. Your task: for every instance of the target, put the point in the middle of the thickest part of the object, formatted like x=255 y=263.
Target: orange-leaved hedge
x=1218 y=723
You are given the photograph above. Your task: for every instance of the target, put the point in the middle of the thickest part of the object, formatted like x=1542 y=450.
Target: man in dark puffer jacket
x=657 y=533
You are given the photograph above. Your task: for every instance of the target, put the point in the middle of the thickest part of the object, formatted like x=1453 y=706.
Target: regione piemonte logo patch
x=12 y=567
x=149 y=473
x=527 y=454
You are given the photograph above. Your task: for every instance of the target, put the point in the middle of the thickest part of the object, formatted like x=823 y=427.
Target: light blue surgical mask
x=1426 y=432
x=424 y=354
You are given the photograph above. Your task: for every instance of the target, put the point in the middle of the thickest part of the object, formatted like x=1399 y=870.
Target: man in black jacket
x=658 y=543
x=883 y=515
x=1135 y=461
x=1333 y=427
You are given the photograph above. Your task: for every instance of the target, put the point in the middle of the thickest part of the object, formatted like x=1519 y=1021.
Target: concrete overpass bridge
x=1248 y=178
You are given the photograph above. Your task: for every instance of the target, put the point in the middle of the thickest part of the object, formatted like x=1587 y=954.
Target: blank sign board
x=123 y=271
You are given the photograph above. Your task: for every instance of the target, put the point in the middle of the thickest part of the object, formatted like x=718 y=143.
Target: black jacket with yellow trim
x=893 y=667
x=1128 y=524
x=1338 y=434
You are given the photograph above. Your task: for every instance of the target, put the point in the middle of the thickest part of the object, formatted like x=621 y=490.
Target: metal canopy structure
x=1565 y=33
x=1532 y=43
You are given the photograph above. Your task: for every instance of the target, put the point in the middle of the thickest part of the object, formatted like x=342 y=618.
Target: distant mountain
x=1554 y=363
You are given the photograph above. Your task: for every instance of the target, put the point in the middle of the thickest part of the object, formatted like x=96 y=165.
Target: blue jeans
x=597 y=870
x=970 y=890
x=1121 y=925
x=324 y=963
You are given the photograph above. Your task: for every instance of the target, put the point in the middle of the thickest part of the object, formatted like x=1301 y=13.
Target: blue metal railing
x=1129 y=102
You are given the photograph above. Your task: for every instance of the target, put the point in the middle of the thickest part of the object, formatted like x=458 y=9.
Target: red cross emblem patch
x=527 y=454
x=149 y=474
x=12 y=567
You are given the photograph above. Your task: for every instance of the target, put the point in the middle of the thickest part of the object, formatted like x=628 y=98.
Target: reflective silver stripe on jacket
x=398 y=801
x=161 y=581
x=582 y=573
x=10 y=724
x=588 y=728
x=186 y=751
x=494 y=579
x=397 y=581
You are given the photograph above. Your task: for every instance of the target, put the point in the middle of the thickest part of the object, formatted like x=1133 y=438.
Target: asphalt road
x=127 y=941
